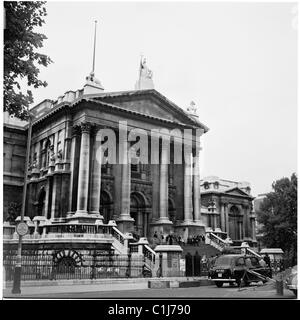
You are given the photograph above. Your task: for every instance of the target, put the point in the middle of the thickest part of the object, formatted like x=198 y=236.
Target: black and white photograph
x=149 y=152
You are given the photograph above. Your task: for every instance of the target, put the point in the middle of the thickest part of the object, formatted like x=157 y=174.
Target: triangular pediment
x=150 y=103
x=237 y=192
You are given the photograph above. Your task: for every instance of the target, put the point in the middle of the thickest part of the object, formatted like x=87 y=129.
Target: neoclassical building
x=229 y=209
x=68 y=183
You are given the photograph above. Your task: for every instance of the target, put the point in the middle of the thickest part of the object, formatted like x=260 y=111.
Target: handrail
x=149 y=253
x=117 y=234
x=217 y=239
x=253 y=252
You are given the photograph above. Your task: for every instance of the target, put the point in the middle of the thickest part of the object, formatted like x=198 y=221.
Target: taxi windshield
x=223 y=260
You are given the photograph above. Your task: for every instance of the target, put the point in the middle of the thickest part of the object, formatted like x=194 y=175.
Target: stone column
x=163 y=186
x=145 y=221
x=215 y=221
x=240 y=230
x=54 y=213
x=222 y=217
x=46 y=205
x=253 y=229
x=125 y=221
x=226 y=219
x=74 y=149
x=83 y=175
x=96 y=179
x=126 y=184
x=68 y=146
x=38 y=155
x=55 y=141
x=188 y=205
x=246 y=225
x=43 y=155
x=196 y=189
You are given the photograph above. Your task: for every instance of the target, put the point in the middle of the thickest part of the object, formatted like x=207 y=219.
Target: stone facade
x=14 y=150
x=67 y=181
x=229 y=209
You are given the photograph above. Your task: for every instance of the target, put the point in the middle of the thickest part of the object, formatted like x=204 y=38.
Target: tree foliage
x=20 y=53
x=278 y=215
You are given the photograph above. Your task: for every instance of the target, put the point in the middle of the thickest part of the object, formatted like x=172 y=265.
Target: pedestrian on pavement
x=248 y=263
x=162 y=237
x=267 y=260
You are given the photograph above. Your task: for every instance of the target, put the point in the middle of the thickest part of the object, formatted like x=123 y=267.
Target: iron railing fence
x=43 y=267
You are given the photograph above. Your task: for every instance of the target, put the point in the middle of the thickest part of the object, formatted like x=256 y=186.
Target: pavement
x=138 y=288
x=36 y=288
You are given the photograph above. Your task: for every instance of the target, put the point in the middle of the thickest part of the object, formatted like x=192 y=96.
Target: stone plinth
x=190 y=229
x=84 y=218
x=125 y=224
x=162 y=227
x=169 y=260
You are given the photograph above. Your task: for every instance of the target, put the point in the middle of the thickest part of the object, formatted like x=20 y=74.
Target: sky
x=236 y=61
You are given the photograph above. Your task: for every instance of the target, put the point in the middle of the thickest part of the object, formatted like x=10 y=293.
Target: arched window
x=41 y=203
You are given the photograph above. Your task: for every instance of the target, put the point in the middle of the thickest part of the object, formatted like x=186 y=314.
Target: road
x=257 y=292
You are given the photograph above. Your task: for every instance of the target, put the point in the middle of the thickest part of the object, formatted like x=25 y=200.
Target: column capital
x=86 y=127
x=224 y=202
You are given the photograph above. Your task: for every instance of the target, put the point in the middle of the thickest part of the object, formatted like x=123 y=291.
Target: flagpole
x=94 y=53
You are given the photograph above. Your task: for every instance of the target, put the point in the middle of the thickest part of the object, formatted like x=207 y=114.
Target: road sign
x=22 y=229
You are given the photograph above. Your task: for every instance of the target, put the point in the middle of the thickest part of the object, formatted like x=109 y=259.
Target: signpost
x=22 y=227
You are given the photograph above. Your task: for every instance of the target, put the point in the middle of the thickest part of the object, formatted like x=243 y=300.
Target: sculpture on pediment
x=192 y=108
x=145 y=80
x=145 y=71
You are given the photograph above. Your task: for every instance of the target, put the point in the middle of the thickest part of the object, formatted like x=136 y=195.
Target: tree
x=278 y=216
x=20 y=55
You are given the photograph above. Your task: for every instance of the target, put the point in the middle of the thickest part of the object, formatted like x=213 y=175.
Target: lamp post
x=21 y=228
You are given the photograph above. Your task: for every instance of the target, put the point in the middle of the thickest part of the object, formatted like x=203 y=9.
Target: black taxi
x=234 y=268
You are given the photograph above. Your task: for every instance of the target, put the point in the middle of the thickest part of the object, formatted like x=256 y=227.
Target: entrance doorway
x=234 y=223
x=105 y=206
x=139 y=214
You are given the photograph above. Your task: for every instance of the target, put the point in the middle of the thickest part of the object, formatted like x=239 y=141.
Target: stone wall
x=14 y=153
